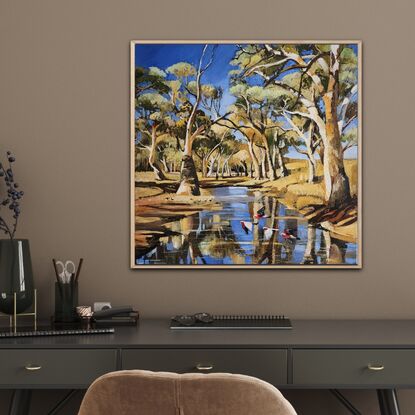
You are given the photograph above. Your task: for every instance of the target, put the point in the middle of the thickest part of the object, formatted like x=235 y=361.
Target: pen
x=79 y=269
x=56 y=270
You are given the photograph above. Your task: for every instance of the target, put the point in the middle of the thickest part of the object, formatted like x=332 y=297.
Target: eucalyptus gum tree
x=153 y=111
x=304 y=131
x=239 y=121
x=280 y=147
x=256 y=103
x=336 y=180
x=189 y=182
x=349 y=139
x=326 y=98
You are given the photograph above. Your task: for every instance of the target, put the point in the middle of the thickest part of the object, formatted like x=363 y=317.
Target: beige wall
x=64 y=82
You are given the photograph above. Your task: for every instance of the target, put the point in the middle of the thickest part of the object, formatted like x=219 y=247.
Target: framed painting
x=246 y=154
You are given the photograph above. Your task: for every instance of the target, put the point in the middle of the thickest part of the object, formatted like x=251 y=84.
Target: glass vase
x=16 y=275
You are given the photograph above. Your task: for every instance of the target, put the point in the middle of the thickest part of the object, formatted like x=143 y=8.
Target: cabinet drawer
x=352 y=367
x=57 y=368
x=269 y=365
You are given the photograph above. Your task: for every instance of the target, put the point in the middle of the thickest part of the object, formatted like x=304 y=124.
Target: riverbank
x=157 y=204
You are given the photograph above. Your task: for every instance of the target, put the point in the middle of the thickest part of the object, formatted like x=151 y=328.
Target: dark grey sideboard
x=328 y=354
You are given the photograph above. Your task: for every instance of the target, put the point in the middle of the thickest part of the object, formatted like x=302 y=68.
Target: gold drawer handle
x=203 y=368
x=33 y=367
x=376 y=368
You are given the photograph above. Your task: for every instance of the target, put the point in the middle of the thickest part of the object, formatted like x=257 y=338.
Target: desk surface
x=155 y=333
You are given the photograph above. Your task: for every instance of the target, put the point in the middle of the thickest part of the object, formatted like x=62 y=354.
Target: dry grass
x=298 y=193
x=304 y=201
x=148 y=176
x=283 y=183
x=295 y=186
x=308 y=189
x=147 y=192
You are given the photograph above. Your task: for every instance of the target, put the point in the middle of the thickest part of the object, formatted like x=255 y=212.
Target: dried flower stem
x=12 y=199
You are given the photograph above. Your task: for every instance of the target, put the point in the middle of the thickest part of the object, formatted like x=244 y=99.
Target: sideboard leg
x=20 y=402
x=388 y=402
x=63 y=402
x=345 y=402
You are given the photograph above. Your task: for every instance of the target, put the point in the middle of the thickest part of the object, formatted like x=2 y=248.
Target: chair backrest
x=139 y=392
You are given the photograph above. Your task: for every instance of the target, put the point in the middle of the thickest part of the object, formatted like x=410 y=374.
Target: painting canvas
x=246 y=154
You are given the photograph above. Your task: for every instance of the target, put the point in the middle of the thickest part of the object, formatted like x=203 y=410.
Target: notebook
x=54 y=332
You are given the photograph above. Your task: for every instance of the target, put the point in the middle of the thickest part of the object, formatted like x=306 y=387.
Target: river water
x=249 y=228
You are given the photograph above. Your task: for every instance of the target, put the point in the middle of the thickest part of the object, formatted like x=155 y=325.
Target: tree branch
x=222 y=117
x=198 y=94
x=249 y=71
x=293 y=125
x=199 y=130
x=298 y=149
x=349 y=121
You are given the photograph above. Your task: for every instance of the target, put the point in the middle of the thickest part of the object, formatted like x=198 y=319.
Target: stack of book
x=124 y=317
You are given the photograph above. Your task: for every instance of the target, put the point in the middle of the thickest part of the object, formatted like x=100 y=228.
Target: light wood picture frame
x=246 y=154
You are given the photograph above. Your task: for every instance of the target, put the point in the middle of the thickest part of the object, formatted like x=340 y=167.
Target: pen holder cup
x=66 y=301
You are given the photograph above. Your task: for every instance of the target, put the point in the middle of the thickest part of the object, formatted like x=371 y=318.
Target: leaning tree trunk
x=189 y=182
x=308 y=138
x=152 y=159
x=204 y=167
x=213 y=163
x=263 y=165
x=336 y=180
x=245 y=168
x=271 y=167
x=222 y=174
x=165 y=165
x=311 y=168
x=263 y=169
x=321 y=152
x=282 y=169
x=257 y=172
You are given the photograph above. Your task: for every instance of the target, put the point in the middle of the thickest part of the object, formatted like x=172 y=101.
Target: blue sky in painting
x=165 y=55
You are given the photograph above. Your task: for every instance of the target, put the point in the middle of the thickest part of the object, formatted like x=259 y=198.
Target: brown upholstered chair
x=138 y=392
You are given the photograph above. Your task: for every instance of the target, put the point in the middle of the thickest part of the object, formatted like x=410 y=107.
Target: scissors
x=68 y=269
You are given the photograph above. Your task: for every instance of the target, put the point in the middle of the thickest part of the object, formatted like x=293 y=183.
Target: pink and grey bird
x=246 y=226
x=287 y=234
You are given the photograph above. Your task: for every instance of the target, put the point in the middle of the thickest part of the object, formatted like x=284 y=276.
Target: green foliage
x=238 y=90
x=271 y=94
x=323 y=47
x=154 y=102
x=156 y=72
x=171 y=155
x=209 y=91
x=234 y=72
x=262 y=87
x=250 y=56
x=350 y=136
x=348 y=56
x=182 y=70
x=149 y=79
x=174 y=85
x=348 y=70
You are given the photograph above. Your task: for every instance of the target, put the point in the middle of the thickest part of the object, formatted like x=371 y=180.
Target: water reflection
x=250 y=228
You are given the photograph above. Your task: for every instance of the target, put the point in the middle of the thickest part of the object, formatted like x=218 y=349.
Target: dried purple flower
x=12 y=199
